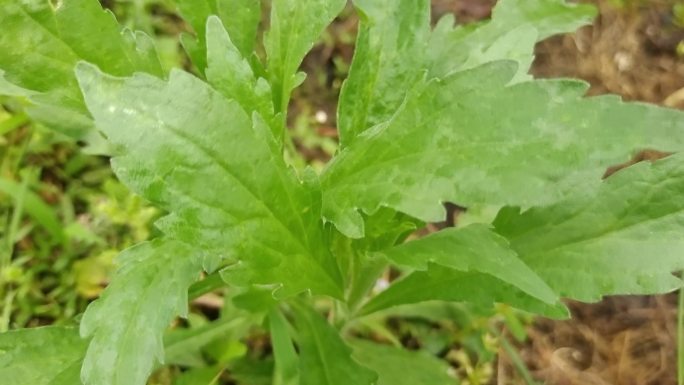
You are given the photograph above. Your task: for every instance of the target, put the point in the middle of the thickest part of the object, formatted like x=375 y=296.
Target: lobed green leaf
x=176 y=137
x=395 y=48
x=472 y=139
x=474 y=248
x=241 y=18
x=42 y=61
x=624 y=238
x=389 y=51
x=128 y=321
x=446 y=284
x=231 y=74
x=295 y=26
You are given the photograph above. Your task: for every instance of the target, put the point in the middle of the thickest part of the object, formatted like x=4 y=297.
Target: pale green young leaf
x=445 y=284
x=471 y=139
x=286 y=370
x=175 y=137
x=324 y=358
x=295 y=26
x=397 y=366
x=230 y=73
x=41 y=356
x=475 y=248
x=389 y=52
x=625 y=238
x=42 y=61
x=127 y=322
x=240 y=17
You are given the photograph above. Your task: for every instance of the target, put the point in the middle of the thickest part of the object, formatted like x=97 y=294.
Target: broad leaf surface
x=324 y=358
x=42 y=61
x=475 y=248
x=445 y=284
x=389 y=52
x=626 y=238
x=396 y=366
x=240 y=17
x=230 y=73
x=128 y=321
x=471 y=139
x=295 y=26
x=41 y=356
x=395 y=47
x=176 y=138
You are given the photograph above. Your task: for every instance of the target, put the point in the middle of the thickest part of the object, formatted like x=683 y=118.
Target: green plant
x=426 y=116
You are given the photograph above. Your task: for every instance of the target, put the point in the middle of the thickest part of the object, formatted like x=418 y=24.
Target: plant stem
x=208 y=284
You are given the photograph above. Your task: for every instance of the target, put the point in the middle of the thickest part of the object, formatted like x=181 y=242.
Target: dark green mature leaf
x=127 y=322
x=445 y=284
x=41 y=356
x=295 y=27
x=324 y=359
x=475 y=248
x=42 y=61
x=389 y=52
x=397 y=366
x=230 y=73
x=470 y=139
x=240 y=17
x=626 y=238
x=395 y=48
x=177 y=137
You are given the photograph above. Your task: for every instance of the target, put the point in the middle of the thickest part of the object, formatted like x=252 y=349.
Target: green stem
x=208 y=284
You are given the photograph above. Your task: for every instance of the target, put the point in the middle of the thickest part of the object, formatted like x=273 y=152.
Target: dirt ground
x=631 y=50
